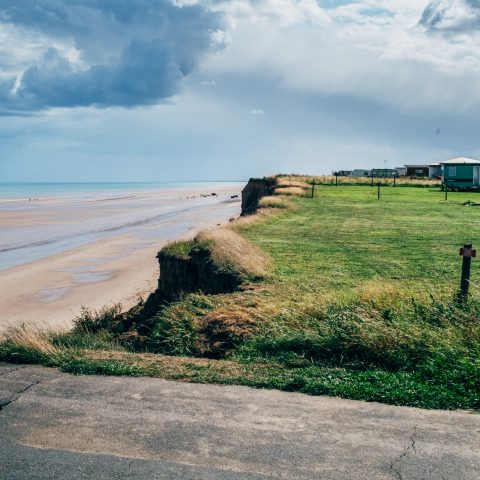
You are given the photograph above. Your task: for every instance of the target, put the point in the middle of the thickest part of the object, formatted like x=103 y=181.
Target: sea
x=38 y=220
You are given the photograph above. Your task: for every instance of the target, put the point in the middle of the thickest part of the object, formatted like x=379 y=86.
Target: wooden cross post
x=467 y=252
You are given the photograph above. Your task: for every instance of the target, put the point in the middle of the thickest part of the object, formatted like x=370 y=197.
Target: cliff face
x=192 y=273
x=255 y=189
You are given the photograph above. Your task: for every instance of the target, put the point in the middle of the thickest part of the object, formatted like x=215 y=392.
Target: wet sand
x=46 y=281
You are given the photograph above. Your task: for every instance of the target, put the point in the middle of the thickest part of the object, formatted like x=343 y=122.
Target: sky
x=171 y=90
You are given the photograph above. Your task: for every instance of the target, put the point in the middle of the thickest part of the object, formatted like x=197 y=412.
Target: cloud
x=374 y=51
x=453 y=16
x=99 y=52
x=256 y=111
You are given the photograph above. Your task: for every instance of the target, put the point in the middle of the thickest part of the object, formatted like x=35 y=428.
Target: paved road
x=58 y=426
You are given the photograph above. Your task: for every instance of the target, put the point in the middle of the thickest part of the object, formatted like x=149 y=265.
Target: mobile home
x=360 y=172
x=383 y=172
x=417 y=170
x=461 y=173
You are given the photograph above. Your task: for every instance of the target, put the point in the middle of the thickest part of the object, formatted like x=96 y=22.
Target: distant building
x=360 y=172
x=434 y=171
x=401 y=171
x=342 y=173
x=417 y=170
x=461 y=173
x=383 y=172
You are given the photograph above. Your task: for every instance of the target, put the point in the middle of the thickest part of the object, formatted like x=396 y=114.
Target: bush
x=107 y=318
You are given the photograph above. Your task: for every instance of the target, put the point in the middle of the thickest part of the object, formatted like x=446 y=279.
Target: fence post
x=446 y=191
x=467 y=253
x=313 y=188
x=394 y=180
x=378 y=190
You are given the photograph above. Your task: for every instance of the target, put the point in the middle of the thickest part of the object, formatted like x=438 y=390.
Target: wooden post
x=466 y=264
x=446 y=192
x=394 y=180
x=372 y=178
x=378 y=190
x=313 y=188
x=336 y=179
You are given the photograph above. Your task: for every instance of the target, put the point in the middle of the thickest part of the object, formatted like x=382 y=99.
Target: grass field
x=345 y=239
x=360 y=303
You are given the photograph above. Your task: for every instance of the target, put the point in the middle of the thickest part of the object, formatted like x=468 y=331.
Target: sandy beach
x=58 y=254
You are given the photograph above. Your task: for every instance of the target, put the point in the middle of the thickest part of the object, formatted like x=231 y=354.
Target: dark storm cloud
x=129 y=52
x=453 y=16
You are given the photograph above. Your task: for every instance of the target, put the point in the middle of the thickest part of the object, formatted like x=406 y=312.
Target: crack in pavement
x=11 y=370
x=411 y=446
x=17 y=395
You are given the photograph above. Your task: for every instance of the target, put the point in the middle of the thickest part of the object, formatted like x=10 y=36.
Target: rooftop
x=461 y=161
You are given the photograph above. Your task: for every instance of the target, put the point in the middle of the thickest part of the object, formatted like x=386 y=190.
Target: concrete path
x=58 y=426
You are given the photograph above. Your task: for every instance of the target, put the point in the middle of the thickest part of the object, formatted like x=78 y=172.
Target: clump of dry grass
x=231 y=251
x=274 y=202
x=219 y=332
x=260 y=215
x=30 y=338
x=298 y=191
x=286 y=182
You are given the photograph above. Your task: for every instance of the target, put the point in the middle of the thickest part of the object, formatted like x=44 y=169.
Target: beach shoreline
x=114 y=265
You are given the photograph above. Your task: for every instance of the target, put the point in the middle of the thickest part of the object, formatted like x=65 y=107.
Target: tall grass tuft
x=95 y=321
x=232 y=252
x=274 y=202
x=287 y=182
x=291 y=191
x=28 y=343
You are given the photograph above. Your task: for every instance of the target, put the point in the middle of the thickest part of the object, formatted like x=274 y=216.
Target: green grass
x=410 y=237
x=179 y=249
x=361 y=304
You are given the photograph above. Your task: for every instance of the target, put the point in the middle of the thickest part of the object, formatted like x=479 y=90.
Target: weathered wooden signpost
x=467 y=252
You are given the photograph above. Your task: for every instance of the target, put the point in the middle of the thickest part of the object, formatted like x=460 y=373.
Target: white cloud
x=374 y=50
x=257 y=111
